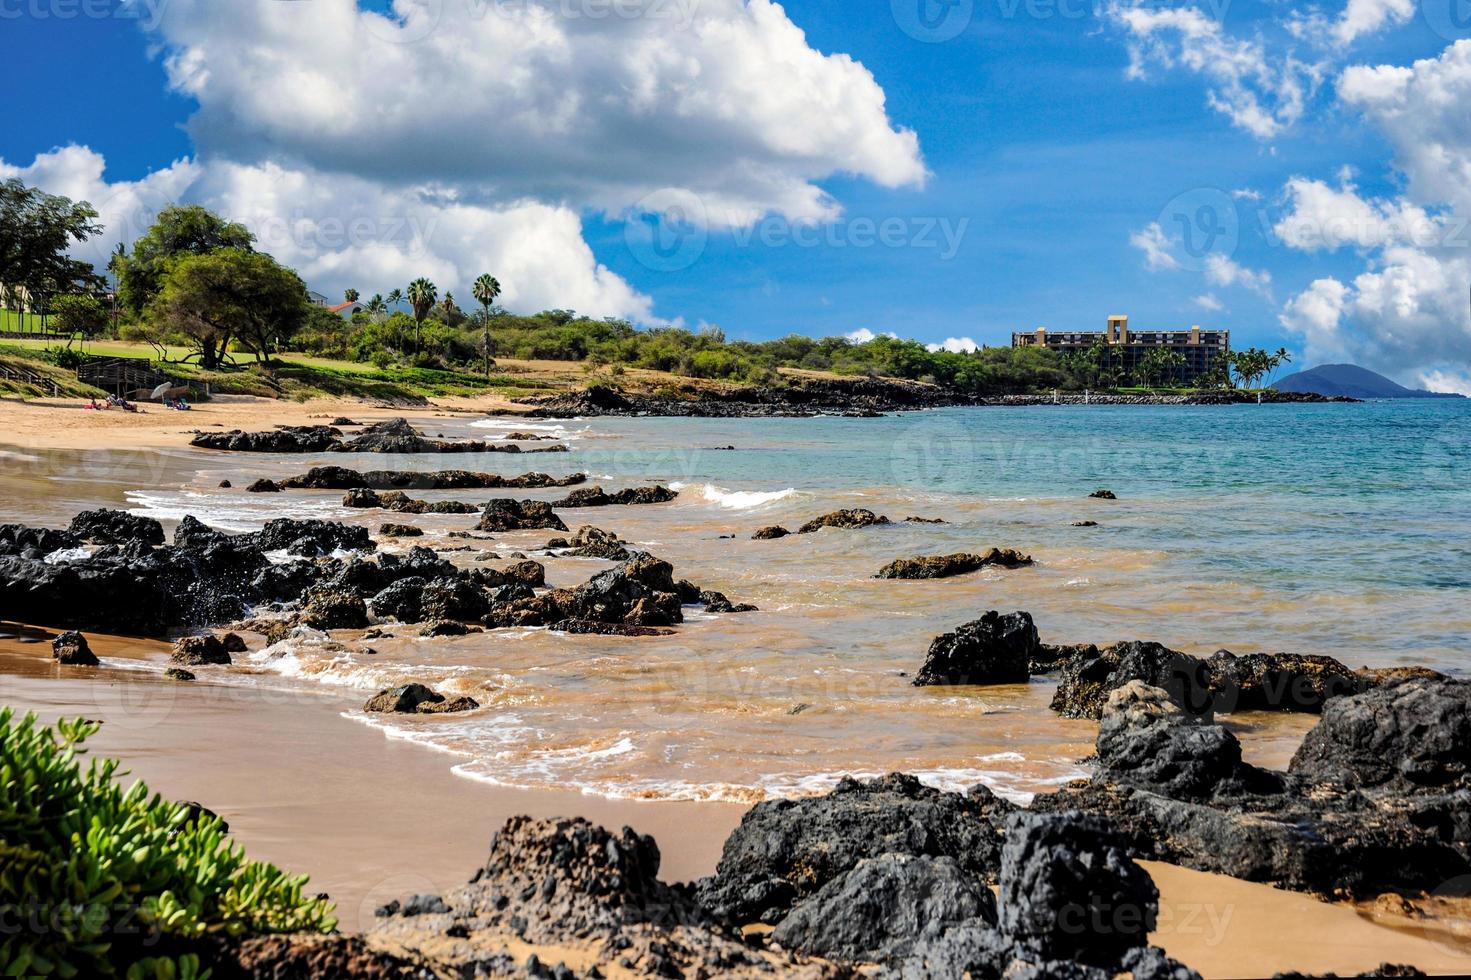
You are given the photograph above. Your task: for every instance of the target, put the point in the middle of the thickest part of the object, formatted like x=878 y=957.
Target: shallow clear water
x=1337 y=529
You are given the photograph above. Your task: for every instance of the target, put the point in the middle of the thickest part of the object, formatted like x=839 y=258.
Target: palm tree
x=1275 y=362
x=486 y=289
x=376 y=306
x=421 y=295
x=350 y=295
x=394 y=298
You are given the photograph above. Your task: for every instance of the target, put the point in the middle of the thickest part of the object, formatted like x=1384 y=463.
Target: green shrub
x=65 y=357
x=100 y=881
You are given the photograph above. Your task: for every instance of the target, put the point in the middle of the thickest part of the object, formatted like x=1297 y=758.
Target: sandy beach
x=67 y=423
x=372 y=818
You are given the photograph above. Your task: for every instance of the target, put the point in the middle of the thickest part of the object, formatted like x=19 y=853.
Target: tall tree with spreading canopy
x=36 y=231
x=486 y=289
x=350 y=295
x=421 y=295
x=176 y=232
x=231 y=294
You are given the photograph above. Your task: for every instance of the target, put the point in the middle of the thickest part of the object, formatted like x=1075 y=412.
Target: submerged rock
x=770 y=533
x=400 y=531
x=1103 y=495
x=71 y=648
x=593 y=627
x=342 y=478
x=995 y=649
x=947 y=566
x=845 y=520
x=178 y=674
x=418 y=699
x=598 y=497
x=506 y=514
x=263 y=486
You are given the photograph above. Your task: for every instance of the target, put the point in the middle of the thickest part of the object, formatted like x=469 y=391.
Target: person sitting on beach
x=93 y=406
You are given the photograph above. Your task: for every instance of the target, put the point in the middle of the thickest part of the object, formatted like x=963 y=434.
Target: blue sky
x=1056 y=148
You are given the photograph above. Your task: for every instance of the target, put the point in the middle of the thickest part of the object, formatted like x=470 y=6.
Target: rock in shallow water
x=948 y=566
x=412 y=699
x=1329 y=828
x=518 y=515
x=71 y=648
x=198 y=651
x=847 y=520
x=995 y=649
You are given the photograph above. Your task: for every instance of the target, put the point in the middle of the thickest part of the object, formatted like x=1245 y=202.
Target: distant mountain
x=1352 y=381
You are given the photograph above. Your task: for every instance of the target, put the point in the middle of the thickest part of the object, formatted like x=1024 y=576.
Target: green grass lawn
x=295 y=376
x=11 y=321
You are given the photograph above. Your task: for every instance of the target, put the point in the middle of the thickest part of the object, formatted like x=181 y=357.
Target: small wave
x=228 y=513
x=554 y=429
x=23 y=457
x=63 y=555
x=737 y=499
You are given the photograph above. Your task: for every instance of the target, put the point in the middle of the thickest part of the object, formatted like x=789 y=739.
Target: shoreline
x=372 y=819
x=65 y=423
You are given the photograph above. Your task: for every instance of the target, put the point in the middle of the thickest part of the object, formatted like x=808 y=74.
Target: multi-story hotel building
x=1203 y=350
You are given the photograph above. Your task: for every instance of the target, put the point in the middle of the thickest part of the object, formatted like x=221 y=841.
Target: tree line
x=195 y=279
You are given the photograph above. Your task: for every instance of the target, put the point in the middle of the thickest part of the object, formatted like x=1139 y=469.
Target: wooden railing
x=32 y=378
x=121 y=375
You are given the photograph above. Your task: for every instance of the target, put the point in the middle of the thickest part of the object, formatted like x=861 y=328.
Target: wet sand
x=371 y=819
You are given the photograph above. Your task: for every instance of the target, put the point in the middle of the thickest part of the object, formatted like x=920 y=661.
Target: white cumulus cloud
x=1156 y=246
x=1260 y=92
x=1406 y=312
x=452 y=137
x=955 y=345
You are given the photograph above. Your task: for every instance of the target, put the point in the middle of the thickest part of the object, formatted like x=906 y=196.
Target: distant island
x=1350 y=381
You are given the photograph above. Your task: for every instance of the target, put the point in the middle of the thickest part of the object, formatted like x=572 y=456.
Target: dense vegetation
x=98 y=881
x=195 y=281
